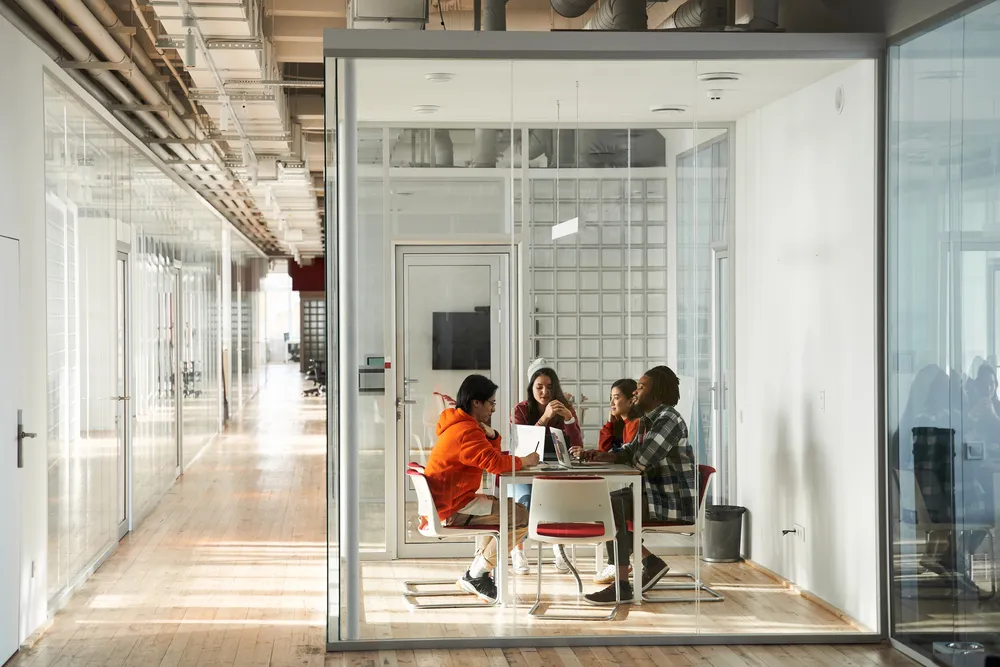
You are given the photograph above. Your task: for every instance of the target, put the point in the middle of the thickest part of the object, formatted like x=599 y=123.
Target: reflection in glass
x=943 y=411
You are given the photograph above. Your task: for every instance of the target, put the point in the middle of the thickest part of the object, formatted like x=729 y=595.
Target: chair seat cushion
x=570 y=530
x=660 y=524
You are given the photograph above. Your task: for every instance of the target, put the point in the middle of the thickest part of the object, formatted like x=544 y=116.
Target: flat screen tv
x=461 y=341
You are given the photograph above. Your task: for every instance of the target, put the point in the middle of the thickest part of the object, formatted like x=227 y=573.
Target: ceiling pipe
x=494 y=15
x=85 y=82
x=484 y=153
x=81 y=15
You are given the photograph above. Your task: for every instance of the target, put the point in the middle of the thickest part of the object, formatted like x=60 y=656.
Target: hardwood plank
x=230 y=571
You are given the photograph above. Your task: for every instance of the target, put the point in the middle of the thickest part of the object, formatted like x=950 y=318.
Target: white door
x=451 y=321
x=10 y=460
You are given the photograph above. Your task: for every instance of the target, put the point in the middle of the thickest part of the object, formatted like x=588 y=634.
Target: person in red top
x=546 y=406
x=623 y=421
x=466 y=446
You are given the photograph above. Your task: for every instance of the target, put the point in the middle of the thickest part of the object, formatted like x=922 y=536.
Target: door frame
x=177 y=334
x=126 y=412
x=722 y=380
x=395 y=507
x=16 y=543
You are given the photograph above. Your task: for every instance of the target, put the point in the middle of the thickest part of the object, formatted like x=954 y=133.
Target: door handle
x=121 y=398
x=404 y=401
x=21 y=435
x=410 y=381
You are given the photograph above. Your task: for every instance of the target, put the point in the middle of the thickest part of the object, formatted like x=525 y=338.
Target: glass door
x=450 y=319
x=123 y=419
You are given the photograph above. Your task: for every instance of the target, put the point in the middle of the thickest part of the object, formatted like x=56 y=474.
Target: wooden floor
x=230 y=569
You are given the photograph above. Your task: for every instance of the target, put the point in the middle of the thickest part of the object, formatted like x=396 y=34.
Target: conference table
x=616 y=475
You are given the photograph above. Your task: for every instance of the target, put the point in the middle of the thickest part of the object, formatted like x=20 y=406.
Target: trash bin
x=723 y=533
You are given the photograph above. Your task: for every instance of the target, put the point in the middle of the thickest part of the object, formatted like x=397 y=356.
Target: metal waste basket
x=723 y=534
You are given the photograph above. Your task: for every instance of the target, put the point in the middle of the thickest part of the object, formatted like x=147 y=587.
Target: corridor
x=229 y=570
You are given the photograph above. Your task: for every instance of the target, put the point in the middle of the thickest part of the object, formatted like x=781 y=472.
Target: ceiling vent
x=719 y=77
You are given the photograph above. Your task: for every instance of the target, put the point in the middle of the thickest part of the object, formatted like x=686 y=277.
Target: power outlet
x=800 y=532
x=822 y=400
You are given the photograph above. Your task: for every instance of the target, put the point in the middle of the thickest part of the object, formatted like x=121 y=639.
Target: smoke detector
x=667 y=108
x=439 y=77
x=717 y=77
x=426 y=108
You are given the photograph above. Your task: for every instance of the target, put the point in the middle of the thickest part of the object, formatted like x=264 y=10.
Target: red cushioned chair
x=431 y=526
x=571 y=510
x=678 y=528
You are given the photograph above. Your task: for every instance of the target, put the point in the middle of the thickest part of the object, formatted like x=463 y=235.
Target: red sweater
x=454 y=470
x=573 y=434
x=608 y=442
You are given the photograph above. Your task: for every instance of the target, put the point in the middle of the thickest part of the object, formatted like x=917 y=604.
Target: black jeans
x=623 y=508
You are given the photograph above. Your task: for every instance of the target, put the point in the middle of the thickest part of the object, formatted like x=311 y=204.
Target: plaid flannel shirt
x=660 y=450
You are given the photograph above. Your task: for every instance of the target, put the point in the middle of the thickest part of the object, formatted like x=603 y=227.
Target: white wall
x=805 y=332
x=22 y=189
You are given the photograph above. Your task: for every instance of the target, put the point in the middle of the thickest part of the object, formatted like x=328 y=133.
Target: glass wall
x=561 y=229
x=943 y=251
x=133 y=305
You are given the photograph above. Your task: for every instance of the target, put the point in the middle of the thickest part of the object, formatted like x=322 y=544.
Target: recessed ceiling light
x=439 y=77
x=426 y=108
x=720 y=76
x=668 y=108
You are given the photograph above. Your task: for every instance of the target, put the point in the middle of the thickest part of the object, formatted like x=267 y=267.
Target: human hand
x=488 y=430
x=576 y=452
x=557 y=408
x=531 y=459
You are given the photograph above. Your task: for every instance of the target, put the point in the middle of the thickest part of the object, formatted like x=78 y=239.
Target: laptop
x=562 y=452
x=529 y=439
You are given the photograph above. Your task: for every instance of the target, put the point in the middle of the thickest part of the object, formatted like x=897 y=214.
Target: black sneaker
x=482 y=587
x=606 y=597
x=653 y=569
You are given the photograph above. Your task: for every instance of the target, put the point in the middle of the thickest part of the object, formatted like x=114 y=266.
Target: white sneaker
x=519 y=563
x=607 y=575
x=562 y=565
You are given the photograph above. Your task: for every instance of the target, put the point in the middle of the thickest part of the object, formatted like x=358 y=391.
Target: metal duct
x=444 y=149
x=572 y=9
x=626 y=15
x=485 y=151
x=765 y=15
x=700 y=14
x=494 y=15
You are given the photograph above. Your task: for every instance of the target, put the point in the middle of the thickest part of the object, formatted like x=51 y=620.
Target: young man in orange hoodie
x=466 y=446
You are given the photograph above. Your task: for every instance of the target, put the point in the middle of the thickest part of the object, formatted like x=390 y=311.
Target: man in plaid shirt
x=661 y=452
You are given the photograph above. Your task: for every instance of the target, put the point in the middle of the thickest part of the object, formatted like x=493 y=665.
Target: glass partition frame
x=342 y=50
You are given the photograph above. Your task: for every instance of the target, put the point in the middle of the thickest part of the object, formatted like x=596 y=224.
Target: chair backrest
x=562 y=500
x=430 y=524
x=907 y=481
x=704 y=479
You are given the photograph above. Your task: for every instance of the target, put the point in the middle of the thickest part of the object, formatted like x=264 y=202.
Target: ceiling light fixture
x=715 y=77
x=426 y=108
x=667 y=108
x=439 y=77
x=190 y=47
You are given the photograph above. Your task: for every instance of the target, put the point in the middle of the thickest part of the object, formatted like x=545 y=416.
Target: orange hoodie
x=454 y=470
